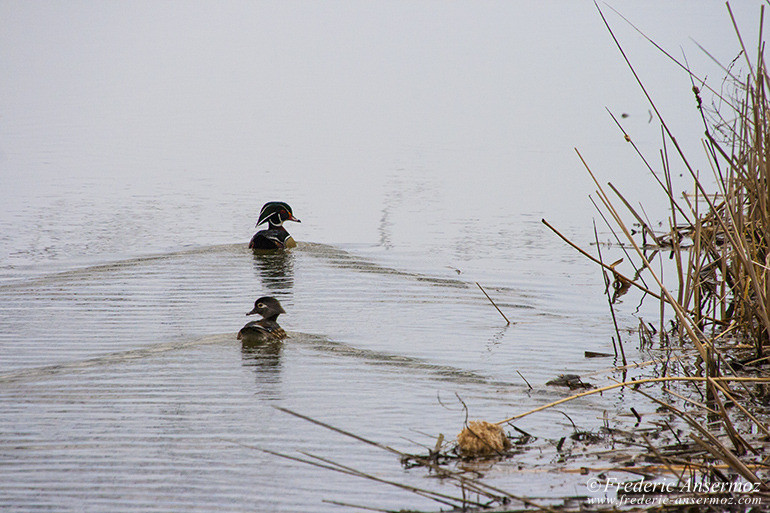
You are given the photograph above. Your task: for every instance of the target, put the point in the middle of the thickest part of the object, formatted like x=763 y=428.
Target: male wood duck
x=267 y=328
x=275 y=237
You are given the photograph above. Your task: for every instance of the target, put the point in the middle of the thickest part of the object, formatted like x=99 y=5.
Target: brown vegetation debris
x=572 y=381
x=482 y=438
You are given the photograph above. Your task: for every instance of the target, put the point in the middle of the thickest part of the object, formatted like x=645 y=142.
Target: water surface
x=420 y=143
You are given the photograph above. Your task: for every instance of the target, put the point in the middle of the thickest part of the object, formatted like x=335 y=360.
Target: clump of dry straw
x=482 y=438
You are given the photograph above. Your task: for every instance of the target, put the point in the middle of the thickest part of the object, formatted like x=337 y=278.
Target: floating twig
x=609 y=298
x=525 y=379
x=493 y=303
x=635 y=383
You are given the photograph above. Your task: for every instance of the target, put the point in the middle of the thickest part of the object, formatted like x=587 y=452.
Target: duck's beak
x=292 y=218
x=252 y=312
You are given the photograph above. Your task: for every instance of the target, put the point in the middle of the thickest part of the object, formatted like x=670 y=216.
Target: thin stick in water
x=493 y=303
x=525 y=379
x=609 y=299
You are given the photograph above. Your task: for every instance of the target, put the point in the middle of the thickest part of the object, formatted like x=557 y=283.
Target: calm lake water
x=420 y=143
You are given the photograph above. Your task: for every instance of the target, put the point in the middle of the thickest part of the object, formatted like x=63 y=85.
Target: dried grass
x=482 y=438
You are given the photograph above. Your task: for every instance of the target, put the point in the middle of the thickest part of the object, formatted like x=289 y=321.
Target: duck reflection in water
x=275 y=269
x=264 y=357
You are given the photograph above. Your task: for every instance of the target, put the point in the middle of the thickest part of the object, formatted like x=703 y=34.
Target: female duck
x=267 y=328
x=274 y=213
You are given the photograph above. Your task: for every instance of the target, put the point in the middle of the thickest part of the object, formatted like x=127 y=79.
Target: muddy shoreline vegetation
x=706 y=444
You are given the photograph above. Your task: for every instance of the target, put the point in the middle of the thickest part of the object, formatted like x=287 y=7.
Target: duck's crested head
x=275 y=213
x=267 y=306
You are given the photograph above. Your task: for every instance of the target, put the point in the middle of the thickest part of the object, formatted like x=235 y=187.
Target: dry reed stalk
x=745 y=211
x=685 y=399
x=667 y=187
x=734 y=218
x=714 y=446
x=684 y=67
x=737 y=403
x=637 y=365
x=436 y=496
x=357 y=506
x=675 y=468
x=619 y=275
x=738 y=441
x=689 y=327
x=666 y=461
x=493 y=303
x=609 y=300
x=642 y=223
x=472 y=485
x=730 y=458
x=441 y=498
x=634 y=384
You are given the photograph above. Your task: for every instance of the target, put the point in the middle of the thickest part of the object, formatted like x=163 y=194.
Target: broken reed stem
x=607 y=284
x=719 y=451
x=636 y=365
x=666 y=461
x=715 y=447
x=357 y=506
x=680 y=313
x=691 y=401
x=493 y=303
x=597 y=261
x=473 y=485
x=637 y=271
x=436 y=496
x=736 y=240
x=441 y=498
x=684 y=67
x=666 y=189
x=635 y=383
x=642 y=223
x=525 y=379
x=605 y=266
x=756 y=421
x=681 y=466
x=738 y=441
x=740 y=40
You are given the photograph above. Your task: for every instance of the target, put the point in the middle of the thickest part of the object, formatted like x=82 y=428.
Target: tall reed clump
x=725 y=280
x=719 y=241
x=728 y=272
x=723 y=270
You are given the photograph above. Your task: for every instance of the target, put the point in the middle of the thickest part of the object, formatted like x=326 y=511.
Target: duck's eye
x=260 y=305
